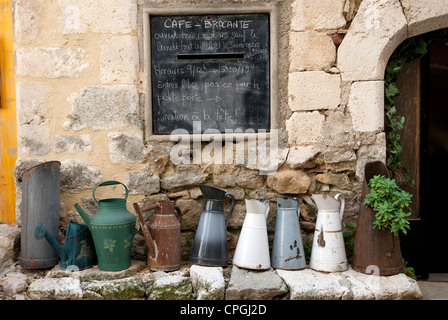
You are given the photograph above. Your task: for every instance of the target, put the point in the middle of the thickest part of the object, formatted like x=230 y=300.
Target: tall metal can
x=40 y=203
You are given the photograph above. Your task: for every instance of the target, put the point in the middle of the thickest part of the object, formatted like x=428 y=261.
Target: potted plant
x=382 y=215
x=390 y=203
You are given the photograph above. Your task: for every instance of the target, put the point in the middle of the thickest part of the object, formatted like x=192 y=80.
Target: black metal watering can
x=78 y=250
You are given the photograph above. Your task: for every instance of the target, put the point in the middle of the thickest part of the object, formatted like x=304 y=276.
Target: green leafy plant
x=409 y=271
x=390 y=203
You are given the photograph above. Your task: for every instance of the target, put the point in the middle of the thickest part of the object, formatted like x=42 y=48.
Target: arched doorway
x=377 y=29
x=423 y=84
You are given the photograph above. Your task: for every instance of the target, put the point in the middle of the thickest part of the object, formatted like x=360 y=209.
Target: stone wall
x=80 y=90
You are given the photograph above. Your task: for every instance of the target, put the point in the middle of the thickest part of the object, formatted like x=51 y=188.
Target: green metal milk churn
x=112 y=228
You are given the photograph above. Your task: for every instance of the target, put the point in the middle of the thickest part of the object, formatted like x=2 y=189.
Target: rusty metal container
x=40 y=204
x=375 y=249
x=162 y=235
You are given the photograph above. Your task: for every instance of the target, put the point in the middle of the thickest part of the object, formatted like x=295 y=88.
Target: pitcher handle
x=109 y=183
x=298 y=206
x=341 y=210
x=266 y=203
x=231 y=206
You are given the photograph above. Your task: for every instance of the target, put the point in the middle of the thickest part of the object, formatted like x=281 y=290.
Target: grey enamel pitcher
x=287 y=247
x=210 y=244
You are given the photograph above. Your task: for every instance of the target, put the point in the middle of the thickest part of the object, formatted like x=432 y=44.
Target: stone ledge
x=194 y=282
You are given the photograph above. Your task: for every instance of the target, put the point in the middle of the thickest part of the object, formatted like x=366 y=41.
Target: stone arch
x=378 y=28
x=375 y=32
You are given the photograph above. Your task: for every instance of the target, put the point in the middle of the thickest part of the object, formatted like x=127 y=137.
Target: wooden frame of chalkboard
x=209 y=71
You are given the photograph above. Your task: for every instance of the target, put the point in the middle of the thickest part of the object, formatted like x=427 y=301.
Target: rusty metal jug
x=78 y=252
x=372 y=246
x=328 y=250
x=162 y=235
x=210 y=244
x=40 y=203
x=287 y=247
x=113 y=229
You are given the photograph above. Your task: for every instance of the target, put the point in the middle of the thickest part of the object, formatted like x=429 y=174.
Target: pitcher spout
x=41 y=232
x=83 y=215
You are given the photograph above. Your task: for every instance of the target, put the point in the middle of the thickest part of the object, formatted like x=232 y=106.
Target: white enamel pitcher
x=252 y=249
x=328 y=251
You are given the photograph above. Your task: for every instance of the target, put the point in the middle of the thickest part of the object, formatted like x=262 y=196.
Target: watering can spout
x=83 y=215
x=41 y=232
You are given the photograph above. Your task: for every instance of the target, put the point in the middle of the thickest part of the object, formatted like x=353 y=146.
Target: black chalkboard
x=211 y=70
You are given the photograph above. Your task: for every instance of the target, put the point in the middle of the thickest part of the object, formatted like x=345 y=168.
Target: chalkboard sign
x=210 y=68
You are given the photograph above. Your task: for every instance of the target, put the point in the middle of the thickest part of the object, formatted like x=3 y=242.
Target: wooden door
x=423 y=85
x=8 y=139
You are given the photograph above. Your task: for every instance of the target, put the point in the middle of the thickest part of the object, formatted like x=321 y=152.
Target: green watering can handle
x=110 y=183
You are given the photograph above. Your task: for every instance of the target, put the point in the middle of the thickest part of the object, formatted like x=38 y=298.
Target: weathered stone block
x=31 y=97
x=77 y=175
x=207 y=282
x=101 y=16
x=126 y=147
x=14 y=283
x=308 y=284
x=289 y=181
x=366 y=105
x=119 y=60
x=104 y=107
x=186 y=176
x=50 y=62
x=27 y=20
x=299 y=157
x=313 y=90
x=423 y=15
x=170 y=287
x=304 y=128
x=72 y=144
x=34 y=139
x=6 y=264
x=120 y=289
x=317 y=15
x=142 y=183
x=311 y=51
x=340 y=180
x=255 y=285
x=373 y=152
x=55 y=289
x=10 y=239
x=191 y=211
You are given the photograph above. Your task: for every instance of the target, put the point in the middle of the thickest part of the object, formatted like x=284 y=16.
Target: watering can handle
x=231 y=207
x=341 y=210
x=109 y=183
x=157 y=205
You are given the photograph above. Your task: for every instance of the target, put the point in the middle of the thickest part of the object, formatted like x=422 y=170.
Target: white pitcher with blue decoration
x=328 y=251
x=287 y=248
x=252 y=249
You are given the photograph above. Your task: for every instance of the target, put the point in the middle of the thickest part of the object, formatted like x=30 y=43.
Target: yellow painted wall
x=8 y=138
